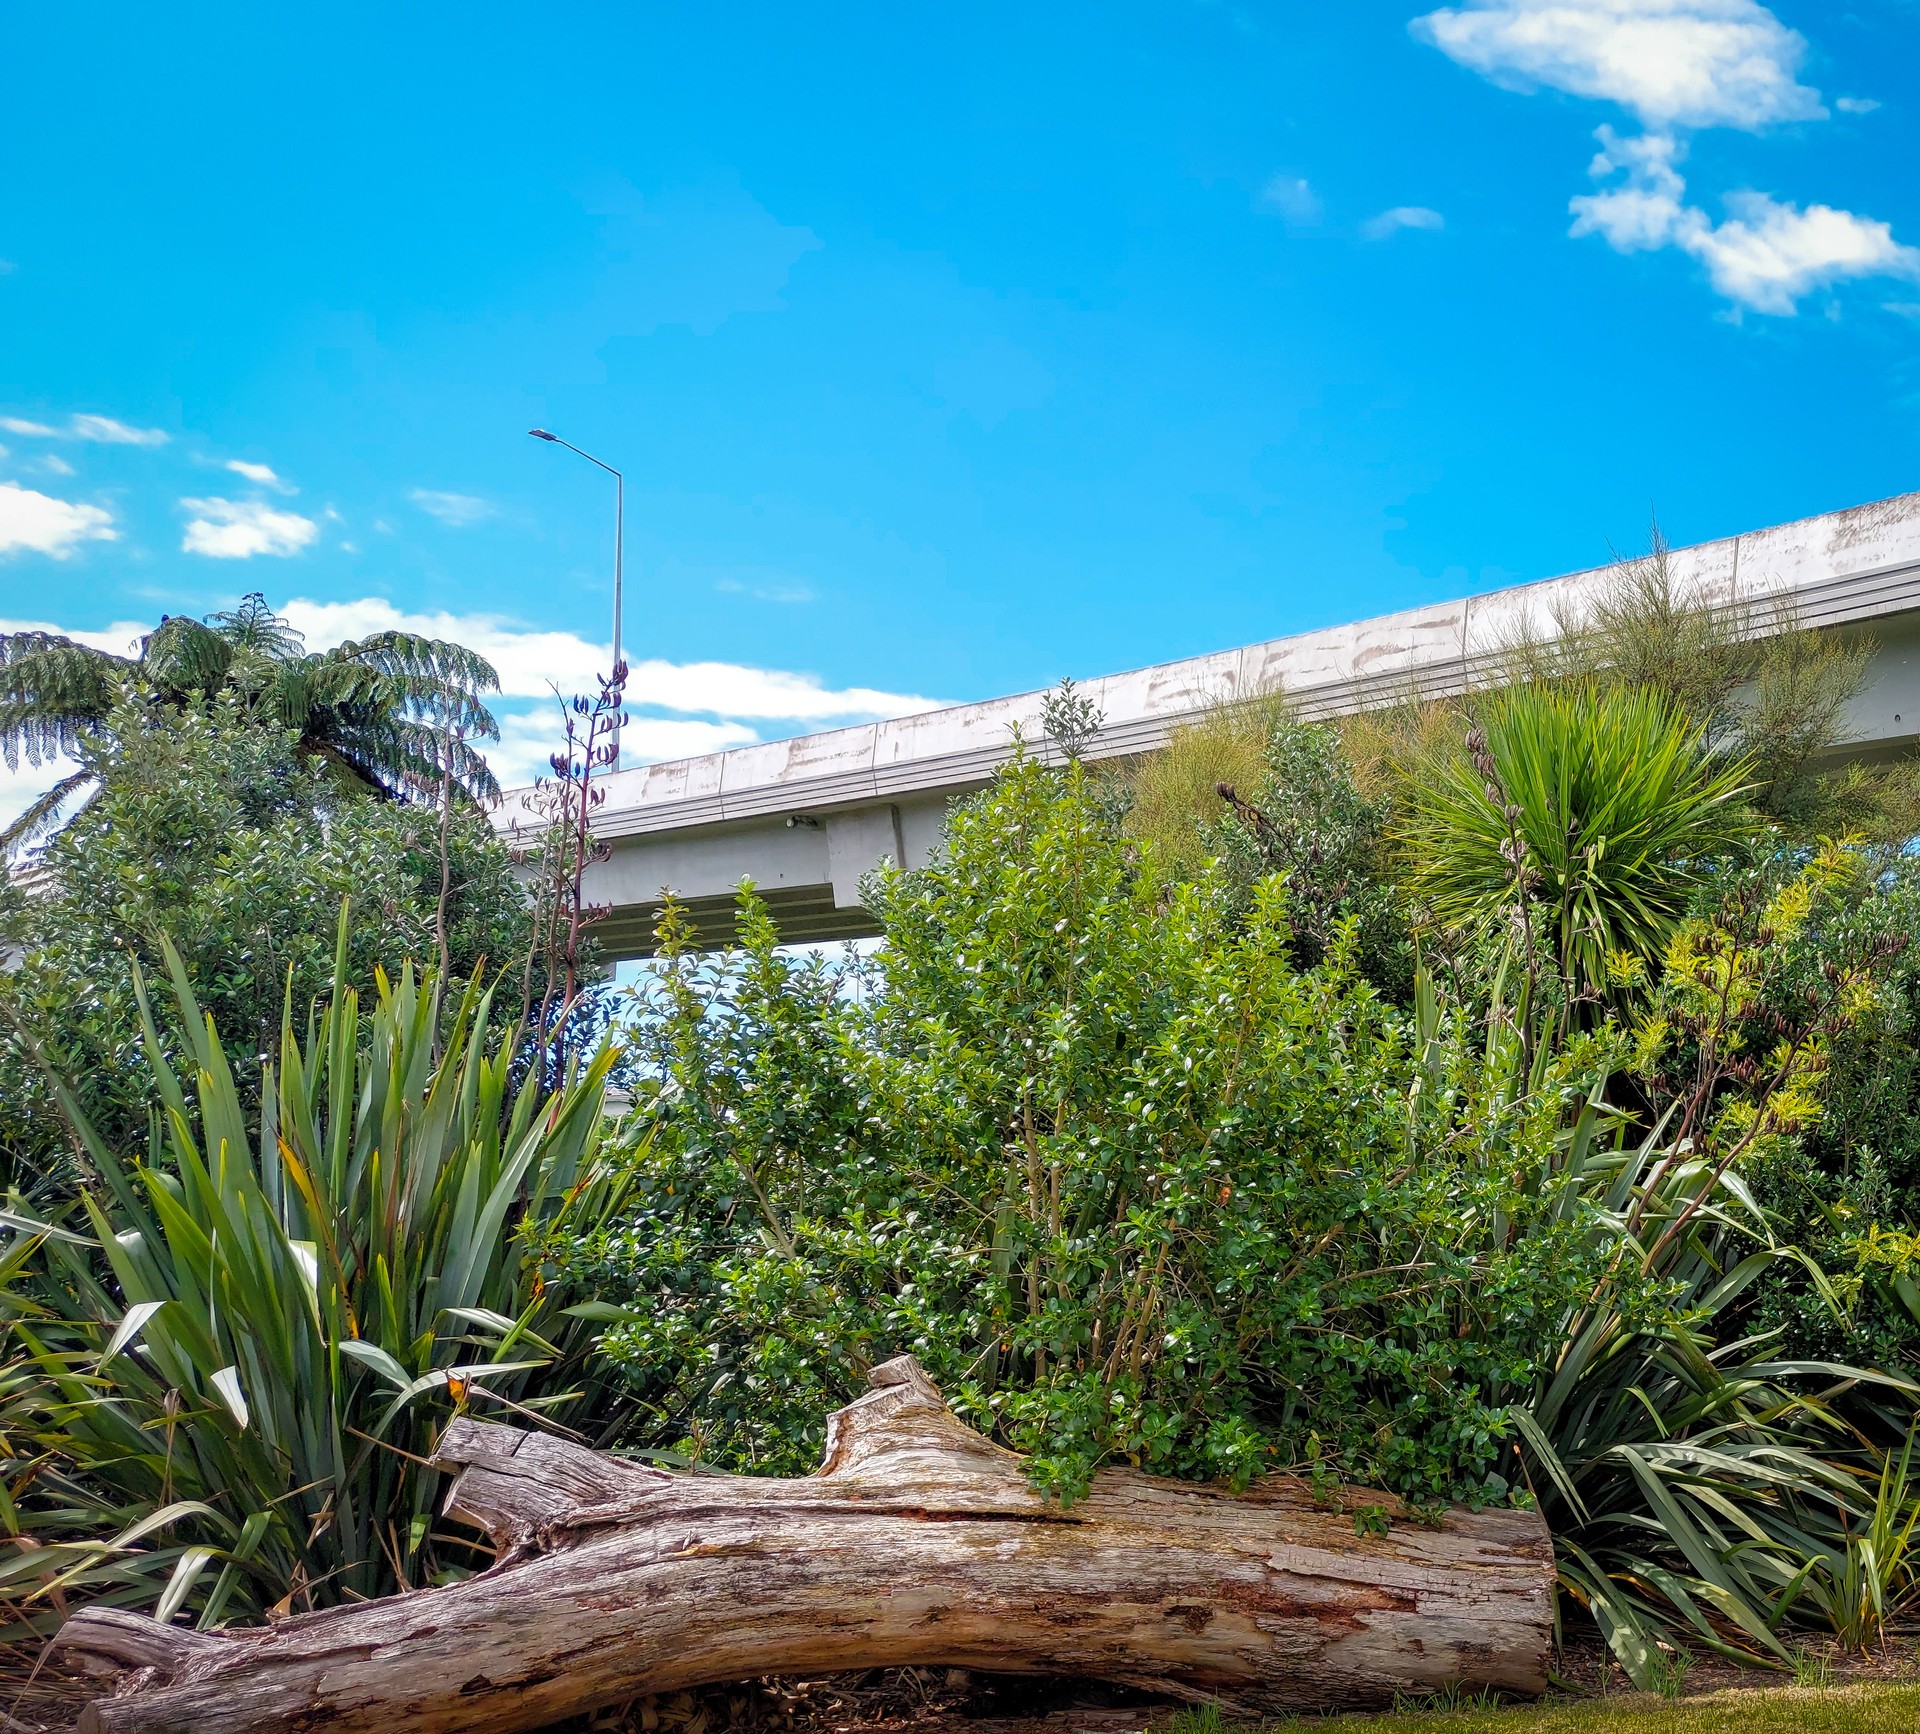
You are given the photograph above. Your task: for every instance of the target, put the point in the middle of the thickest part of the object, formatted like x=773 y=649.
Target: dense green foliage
x=219 y=835
x=225 y=1366
x=1847 y=1194
x=1762 y=691
x=1694 y=1468
x=1513 y=1098
x=1172 y=798
x=1139 y=1181
x=1302 y=815
x=1130 y=1181
x=395 y=712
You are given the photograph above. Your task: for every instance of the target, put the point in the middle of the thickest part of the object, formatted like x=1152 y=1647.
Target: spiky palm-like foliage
x=1606 y=804
x=223 y=1369
x=395 y=712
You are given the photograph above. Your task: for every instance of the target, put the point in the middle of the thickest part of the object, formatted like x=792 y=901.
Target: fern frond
x=40 y=817
x=52 y=689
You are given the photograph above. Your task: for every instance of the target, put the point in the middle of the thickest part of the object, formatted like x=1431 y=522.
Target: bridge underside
x=804 y=915
x=807 y=865
x=805 y=819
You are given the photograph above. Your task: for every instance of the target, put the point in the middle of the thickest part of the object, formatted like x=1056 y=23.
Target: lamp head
x=541 y=433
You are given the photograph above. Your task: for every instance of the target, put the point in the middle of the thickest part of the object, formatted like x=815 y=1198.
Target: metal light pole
x=619 y=539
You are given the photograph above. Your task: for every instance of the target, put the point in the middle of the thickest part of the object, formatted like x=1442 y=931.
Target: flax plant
x=225 y=1368
x=1693 y=1476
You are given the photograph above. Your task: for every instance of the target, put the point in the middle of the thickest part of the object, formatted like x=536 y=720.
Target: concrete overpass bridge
x=806 y=818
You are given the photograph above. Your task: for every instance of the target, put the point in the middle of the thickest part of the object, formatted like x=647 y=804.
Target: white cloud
x=261 y=474
x=1401 y=217
x=100 y=429
x=528 y=738
x=121 y=638
x=720 y=704
x=1292 y=197
x=532 y=662
x=732 y=689
x=39 y=523
x=1688 y=63
x=1647 y=211
x=458 y=510
x=240 y=529
x=764 y=592
x=1766 y=255
x=107 y=431
x=1680 y=65
x=56 y=466
x=1856 y=104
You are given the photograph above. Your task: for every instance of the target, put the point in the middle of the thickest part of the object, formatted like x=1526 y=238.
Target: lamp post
x=619 y=538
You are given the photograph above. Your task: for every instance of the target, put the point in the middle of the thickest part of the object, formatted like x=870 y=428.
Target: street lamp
x=619 y=537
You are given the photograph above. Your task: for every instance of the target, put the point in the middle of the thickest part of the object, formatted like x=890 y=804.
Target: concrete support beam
x=857 y=842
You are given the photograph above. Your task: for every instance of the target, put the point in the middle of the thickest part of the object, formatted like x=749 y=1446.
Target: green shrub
x=1848 y=1194
x=1129 y=1181
x=1173 y=794
x=1603 y=807
x=1137 y=1186
x=1693 y=1468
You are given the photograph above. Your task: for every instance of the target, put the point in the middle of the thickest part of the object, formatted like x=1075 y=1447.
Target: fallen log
x=916 y=1542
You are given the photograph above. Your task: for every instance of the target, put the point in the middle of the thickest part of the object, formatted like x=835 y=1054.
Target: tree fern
x=396 y=712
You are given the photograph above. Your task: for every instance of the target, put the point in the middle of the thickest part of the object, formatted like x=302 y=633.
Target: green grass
x=1863 y=1709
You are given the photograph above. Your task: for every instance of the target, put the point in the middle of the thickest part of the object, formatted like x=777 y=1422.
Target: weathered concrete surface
x=804 y=818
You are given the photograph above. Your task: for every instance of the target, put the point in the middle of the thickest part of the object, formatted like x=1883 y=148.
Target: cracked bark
x=916 y=1542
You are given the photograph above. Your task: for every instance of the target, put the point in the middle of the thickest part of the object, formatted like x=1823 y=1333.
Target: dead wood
x=917 y=1542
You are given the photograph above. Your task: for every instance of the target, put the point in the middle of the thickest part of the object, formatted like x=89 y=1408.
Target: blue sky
x=947 y=352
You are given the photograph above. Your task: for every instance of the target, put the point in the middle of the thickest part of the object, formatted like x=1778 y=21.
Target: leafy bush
x=1304 y=816
x=1690 y=1466
x=1846 y=1194
x=1251 y=787
x=214 y=831
x=224 y=1368
x=1763 y=688
x=1137 y=1186
x=1130 y=1182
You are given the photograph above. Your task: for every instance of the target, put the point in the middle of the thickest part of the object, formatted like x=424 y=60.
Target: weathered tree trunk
x=917 y=1542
